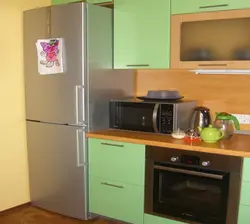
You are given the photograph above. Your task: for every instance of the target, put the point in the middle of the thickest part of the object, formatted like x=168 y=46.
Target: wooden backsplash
x=230 y=93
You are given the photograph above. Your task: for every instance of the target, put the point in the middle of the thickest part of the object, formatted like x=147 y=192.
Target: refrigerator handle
x=77 y=103
x=80 y=147
x=79 y=97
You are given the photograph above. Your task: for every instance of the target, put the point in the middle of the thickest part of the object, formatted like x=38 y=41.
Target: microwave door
x=137 y=116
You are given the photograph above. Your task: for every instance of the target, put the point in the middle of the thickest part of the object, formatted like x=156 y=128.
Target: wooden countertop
x=238 y=145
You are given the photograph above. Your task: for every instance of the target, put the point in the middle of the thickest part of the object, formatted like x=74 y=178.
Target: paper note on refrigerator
x=50 y=56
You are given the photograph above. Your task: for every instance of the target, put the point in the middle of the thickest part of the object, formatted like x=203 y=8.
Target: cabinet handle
x=212 y=64
x=213 y=6
x=111 y=185
x=139 y=65
x=109 y=144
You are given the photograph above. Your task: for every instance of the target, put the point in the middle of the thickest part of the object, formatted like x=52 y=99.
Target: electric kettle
x=226 y=122
x=201 y=118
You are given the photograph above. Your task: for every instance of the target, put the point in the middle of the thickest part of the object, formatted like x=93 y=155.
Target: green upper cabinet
x=98 y=1
x=194 y=6
x=58 y=2
x=141 y=34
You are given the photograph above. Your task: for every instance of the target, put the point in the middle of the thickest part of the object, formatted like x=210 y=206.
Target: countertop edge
x=180 y=146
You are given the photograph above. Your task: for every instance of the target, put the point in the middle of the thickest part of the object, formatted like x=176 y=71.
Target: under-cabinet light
x=220 y=72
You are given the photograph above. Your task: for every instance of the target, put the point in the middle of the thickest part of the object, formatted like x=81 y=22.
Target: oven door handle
x=155 y=118
x=190 y=172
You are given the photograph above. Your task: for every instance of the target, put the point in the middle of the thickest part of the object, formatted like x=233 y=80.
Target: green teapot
x=210 y=134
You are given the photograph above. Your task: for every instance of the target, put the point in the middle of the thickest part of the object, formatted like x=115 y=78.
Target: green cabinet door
x=150 y=219
x=116 y=200
x=195 y=6
x=141 y=34
x=98 y=1
x=244 y=214
x=246 y=170
x=58 y=2
x=117 y=161
x=245 y=194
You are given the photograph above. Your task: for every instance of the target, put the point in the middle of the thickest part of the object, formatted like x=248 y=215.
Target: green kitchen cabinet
x=244 y=208
x=196 y=6
x=117 y=161
x=244 y=214
x=58 y=2
x=246 y=170
x=116 y=179
x=245 y=194
x=117 y=200
x=98 y=1
x=150 y=219
x=141 y=34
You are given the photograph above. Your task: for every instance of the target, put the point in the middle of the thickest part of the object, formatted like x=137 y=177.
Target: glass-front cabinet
x=211 y=40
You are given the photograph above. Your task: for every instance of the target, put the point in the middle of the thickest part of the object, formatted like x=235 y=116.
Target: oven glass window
x=192 y=194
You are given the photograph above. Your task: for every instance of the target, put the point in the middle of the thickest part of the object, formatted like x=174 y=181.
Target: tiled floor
x=32 y=215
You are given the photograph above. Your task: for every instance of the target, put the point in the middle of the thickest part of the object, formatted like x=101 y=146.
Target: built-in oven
x=150 y=116
x=192 y=186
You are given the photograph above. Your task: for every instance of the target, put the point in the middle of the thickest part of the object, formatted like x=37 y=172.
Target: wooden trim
x=107 y=4
x=214 y=64
x=10 y=210
x=176 y=23
x=228 y=14
x=175 y=38
x=234 y=147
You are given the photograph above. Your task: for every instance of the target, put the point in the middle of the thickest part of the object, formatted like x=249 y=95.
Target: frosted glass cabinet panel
x=211 y=40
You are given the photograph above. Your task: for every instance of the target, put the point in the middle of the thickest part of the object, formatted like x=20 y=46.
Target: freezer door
x=57 y=98
x=57 y=168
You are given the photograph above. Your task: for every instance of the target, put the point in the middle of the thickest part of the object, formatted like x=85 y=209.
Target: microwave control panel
x=166 y=118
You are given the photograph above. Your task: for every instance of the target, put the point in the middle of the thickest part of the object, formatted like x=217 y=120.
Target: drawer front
x=246 y=169
x=117 y=200
x=245 y=193
x=150 y=219
x=194 y=6
x=117 y=161
x=244 y=215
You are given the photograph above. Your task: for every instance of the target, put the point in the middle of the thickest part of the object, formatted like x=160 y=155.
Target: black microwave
x=150 y=116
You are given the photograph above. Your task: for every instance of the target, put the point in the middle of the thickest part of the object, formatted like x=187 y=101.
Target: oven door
x=190 y=193
x=138 y=116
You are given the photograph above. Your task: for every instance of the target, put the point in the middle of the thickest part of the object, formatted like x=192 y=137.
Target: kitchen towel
x=50 y=56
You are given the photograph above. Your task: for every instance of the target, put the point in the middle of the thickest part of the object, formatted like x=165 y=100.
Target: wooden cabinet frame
x=176 y=23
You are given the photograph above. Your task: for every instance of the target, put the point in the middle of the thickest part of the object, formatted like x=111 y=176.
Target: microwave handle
x=155 y=118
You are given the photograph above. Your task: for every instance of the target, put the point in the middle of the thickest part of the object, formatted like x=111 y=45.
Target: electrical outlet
x=243 y=118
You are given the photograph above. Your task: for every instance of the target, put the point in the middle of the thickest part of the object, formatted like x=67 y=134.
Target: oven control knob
x=205 y=163
x=175 y=159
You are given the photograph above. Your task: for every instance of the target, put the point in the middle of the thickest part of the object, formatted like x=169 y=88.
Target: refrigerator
x=61 y=107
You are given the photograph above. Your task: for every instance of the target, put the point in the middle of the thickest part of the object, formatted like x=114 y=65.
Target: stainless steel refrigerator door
x=103 y=82
x=57 y=168
x=57 y=98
